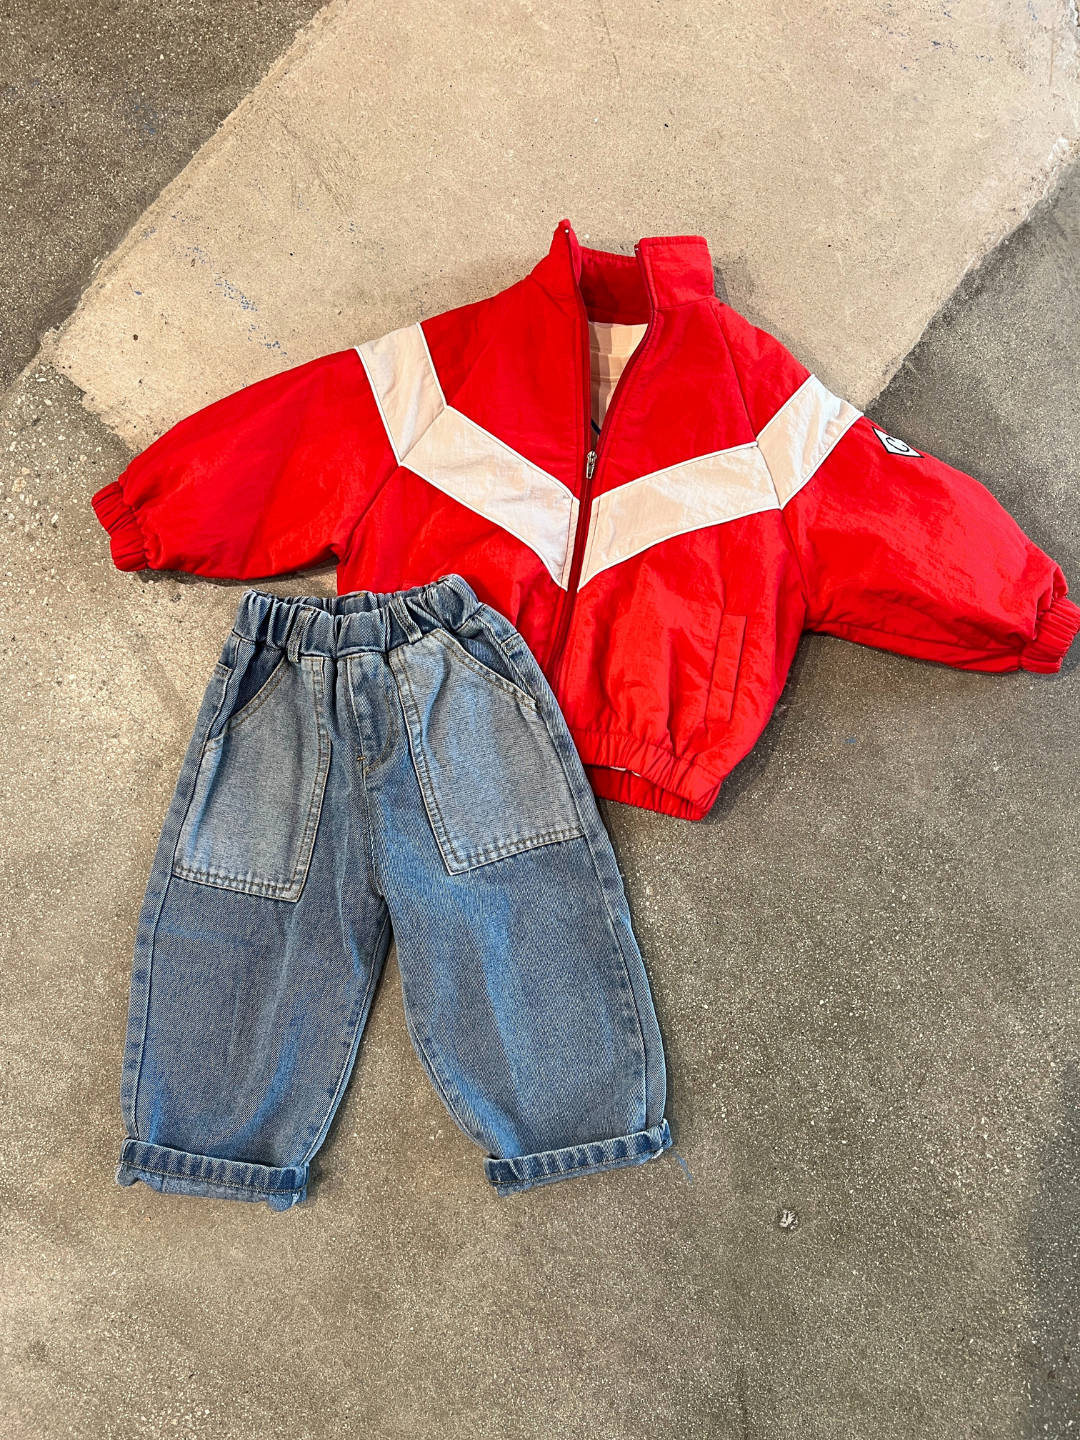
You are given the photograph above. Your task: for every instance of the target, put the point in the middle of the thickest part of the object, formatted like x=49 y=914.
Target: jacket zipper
x=592 y=459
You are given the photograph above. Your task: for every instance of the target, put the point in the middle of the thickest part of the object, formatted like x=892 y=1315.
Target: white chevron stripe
x=406 y=387
x=463 y=460
x=801 y=435
x=709 y=490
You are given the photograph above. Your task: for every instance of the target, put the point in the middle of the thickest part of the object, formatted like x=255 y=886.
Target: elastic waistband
x=364 y=620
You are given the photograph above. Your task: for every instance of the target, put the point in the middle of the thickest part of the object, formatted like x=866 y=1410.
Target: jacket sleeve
x=897 y=550
x=271 y=479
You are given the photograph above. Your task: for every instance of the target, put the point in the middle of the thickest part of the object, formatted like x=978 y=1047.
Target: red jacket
x=661 y=575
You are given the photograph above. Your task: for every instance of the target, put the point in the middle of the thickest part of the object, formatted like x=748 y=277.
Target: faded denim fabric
x=362 y=767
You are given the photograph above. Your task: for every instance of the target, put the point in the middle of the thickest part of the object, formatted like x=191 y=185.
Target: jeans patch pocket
x=254 y=812
x=491 y=777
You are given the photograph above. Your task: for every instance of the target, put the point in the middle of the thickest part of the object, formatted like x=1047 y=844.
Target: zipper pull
x=590 y=464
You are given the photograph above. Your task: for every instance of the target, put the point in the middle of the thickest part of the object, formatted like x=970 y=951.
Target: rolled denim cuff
x=523 y=1172
x=177 y=1172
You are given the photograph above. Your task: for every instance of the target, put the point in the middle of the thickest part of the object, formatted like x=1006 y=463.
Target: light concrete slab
x=847 y=164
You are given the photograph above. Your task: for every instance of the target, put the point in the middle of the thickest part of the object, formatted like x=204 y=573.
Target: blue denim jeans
x=362 y=767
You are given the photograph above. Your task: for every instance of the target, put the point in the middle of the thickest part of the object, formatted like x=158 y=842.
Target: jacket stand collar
x=663 y=272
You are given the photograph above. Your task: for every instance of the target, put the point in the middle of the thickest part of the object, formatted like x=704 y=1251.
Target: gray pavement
x=101 y=103
x=864 y=963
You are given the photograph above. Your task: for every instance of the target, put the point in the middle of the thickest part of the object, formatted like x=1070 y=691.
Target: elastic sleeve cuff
x=1055 y=634
x=118 y=518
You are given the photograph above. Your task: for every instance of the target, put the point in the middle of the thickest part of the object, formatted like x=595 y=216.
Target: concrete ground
x=101 y=103
x=864 y=960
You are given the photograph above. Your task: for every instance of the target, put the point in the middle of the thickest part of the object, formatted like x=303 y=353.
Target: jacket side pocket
x=725 y=675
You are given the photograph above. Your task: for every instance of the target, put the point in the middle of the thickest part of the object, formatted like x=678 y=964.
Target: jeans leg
x=246 y=1007
x=525 y=992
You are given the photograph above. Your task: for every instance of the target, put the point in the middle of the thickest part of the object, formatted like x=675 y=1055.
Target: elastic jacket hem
x=630 y=788
x=126 y=542
x=178 y=1172
x=621 y=767
x=525 y=1172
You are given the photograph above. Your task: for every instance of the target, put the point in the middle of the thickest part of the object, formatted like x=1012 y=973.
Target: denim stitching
x=392 y=730
x=132 y=1119
x=488 y=854
x=199 y=1180
x=500 y=682
x=520 y=1181
x=225 y=692
x=311 y=826
x=365 y=799
x=257 y=701
x=174 y=868
x=350 y=1054
x=291 y=890
x=420 y=764
x=513 y=661
x=261 y=889
x=628 y=1139
x=614 y=928
x=491 y=855
x=612 y=925
x=442 y=1089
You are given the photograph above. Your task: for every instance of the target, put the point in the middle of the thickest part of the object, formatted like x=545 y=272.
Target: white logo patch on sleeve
x=895 y=446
